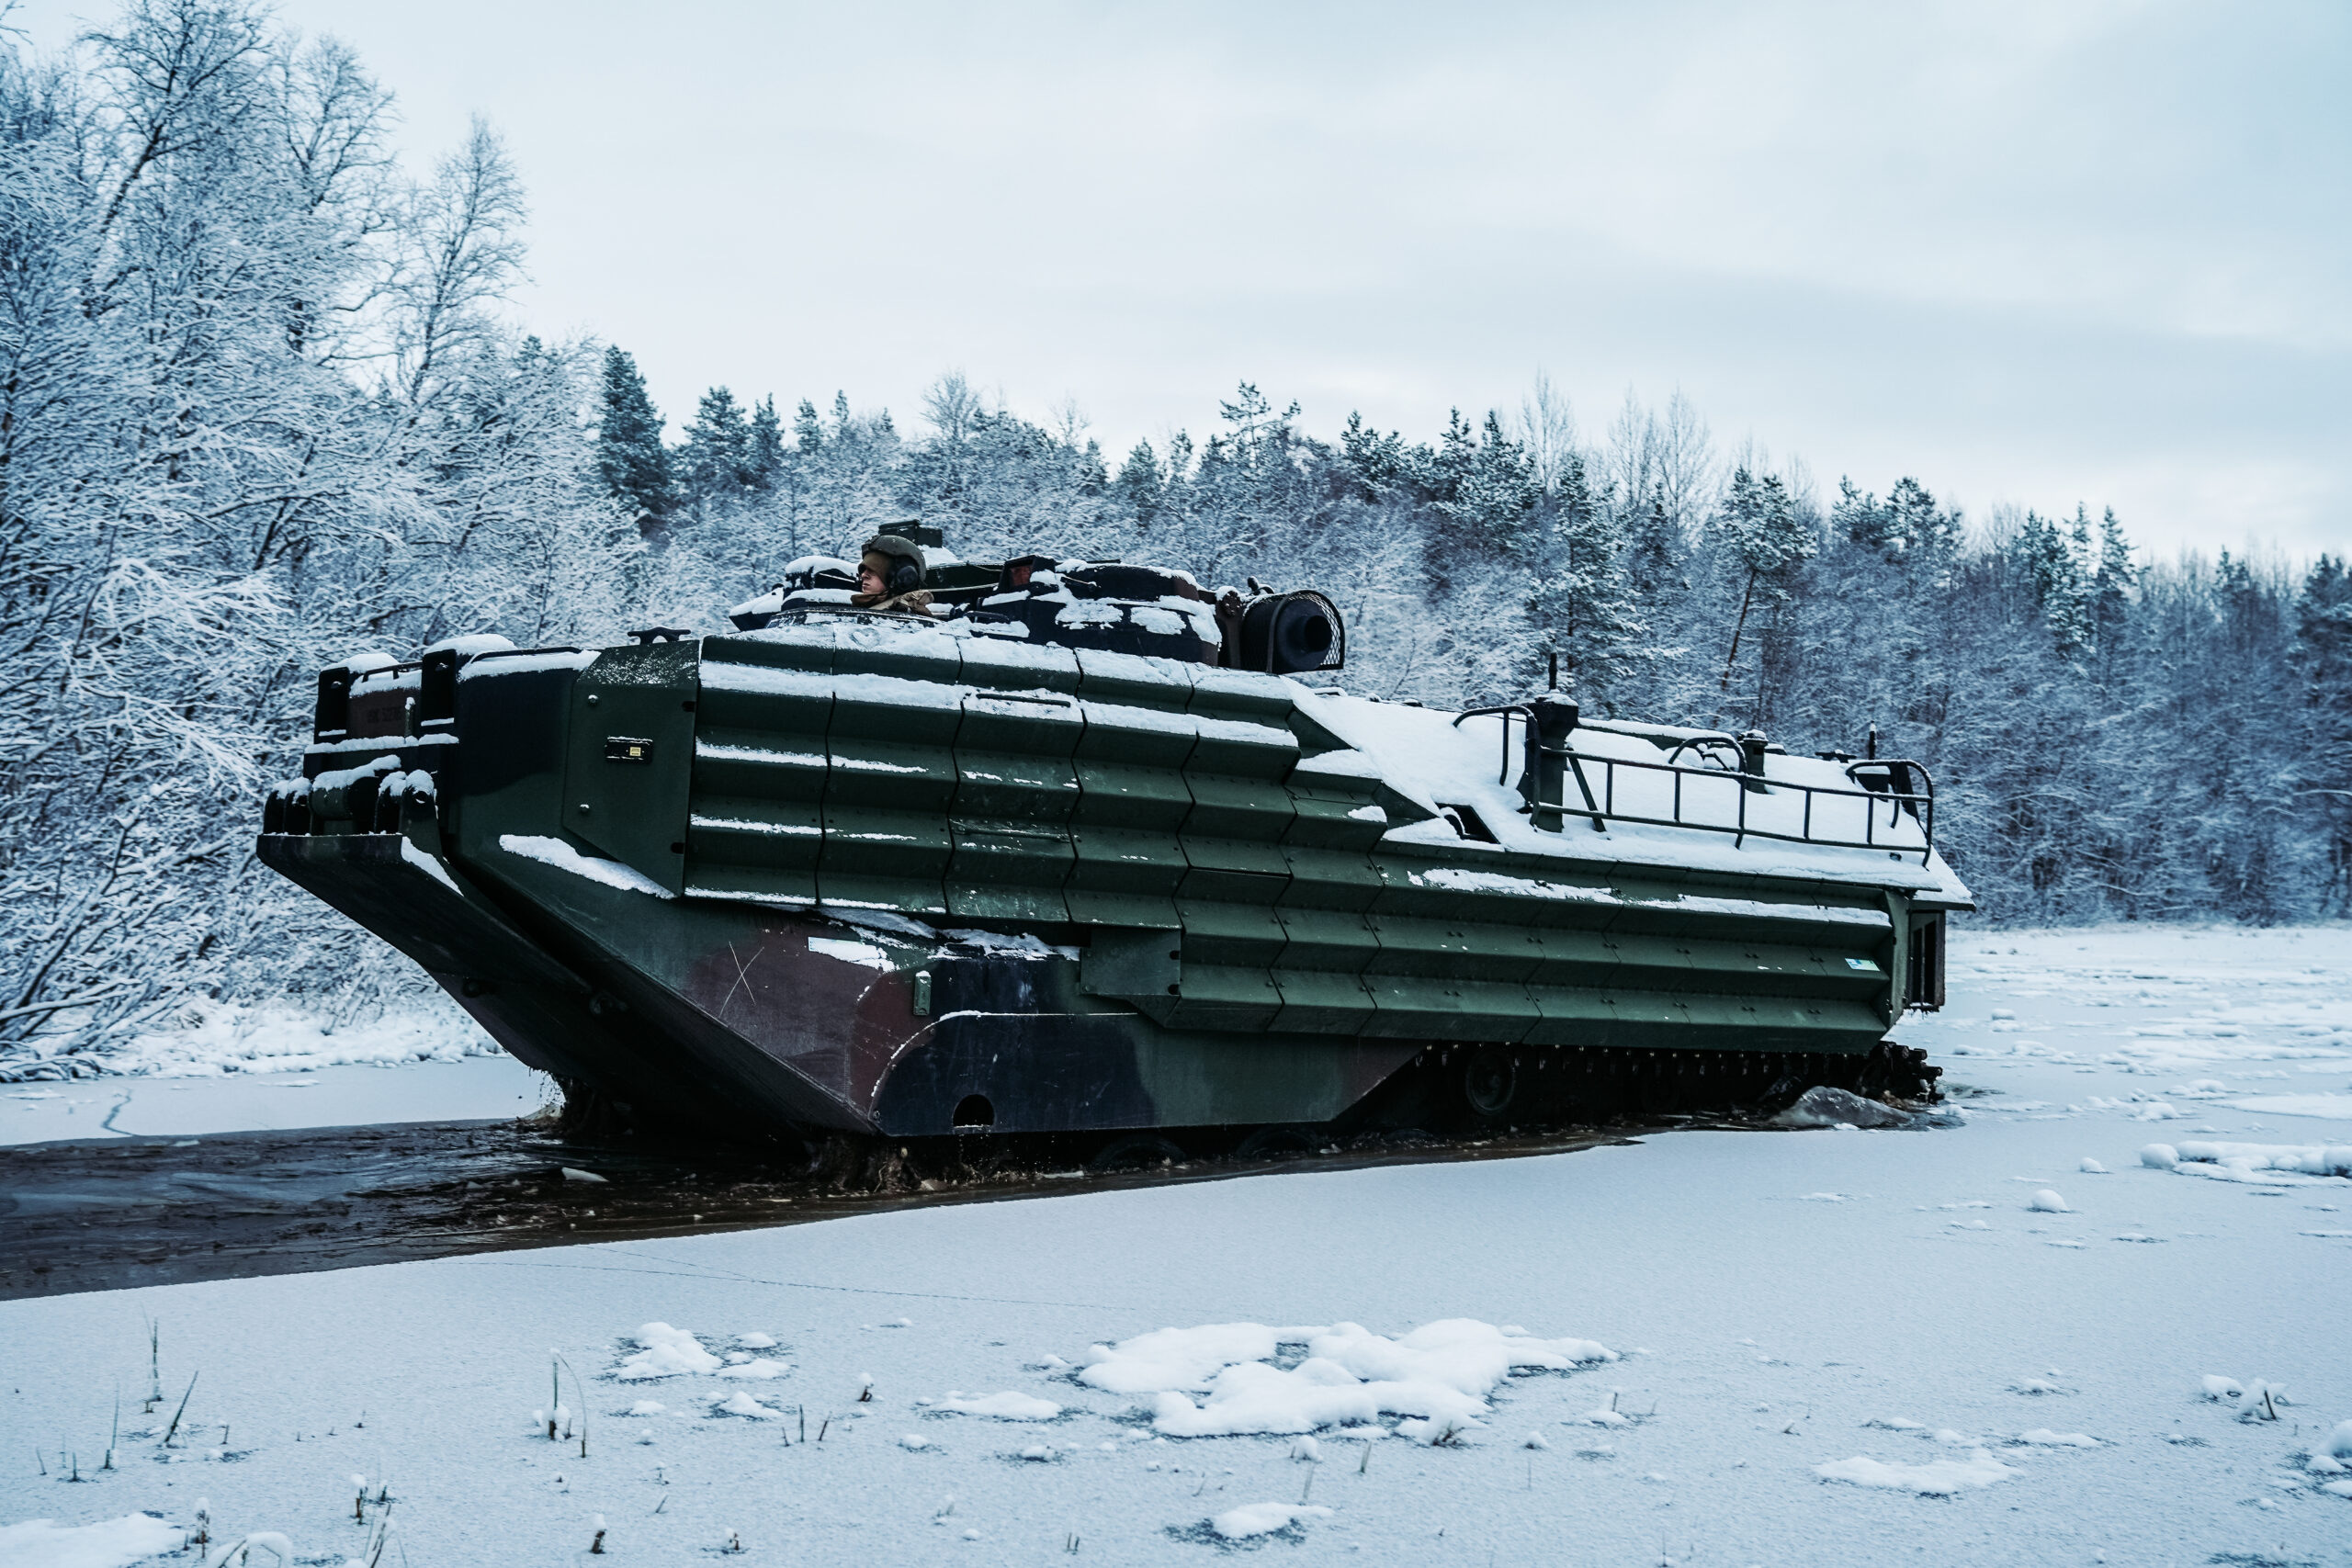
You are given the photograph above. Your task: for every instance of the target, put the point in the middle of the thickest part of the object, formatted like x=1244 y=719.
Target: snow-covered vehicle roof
x=1805 y=817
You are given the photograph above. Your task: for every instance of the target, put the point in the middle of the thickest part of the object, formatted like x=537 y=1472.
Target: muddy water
x=103 y=1214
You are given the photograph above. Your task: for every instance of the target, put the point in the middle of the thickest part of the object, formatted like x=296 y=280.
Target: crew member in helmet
x=889 y=577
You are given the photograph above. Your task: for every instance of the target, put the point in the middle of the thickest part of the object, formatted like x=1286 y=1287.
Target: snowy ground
x=1828 y=1347
x=471 y=1089
x=227 y=1068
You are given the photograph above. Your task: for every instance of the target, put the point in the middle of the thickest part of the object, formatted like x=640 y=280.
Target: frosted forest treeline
x=262 y=405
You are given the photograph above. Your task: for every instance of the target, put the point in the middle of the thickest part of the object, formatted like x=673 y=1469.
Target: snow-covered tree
x=630 y=459
x=1766 y=537
x=716 y=463
x=1582 y=608
x=2058 y=575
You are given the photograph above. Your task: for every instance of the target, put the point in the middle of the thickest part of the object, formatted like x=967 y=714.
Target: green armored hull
x=870 y=875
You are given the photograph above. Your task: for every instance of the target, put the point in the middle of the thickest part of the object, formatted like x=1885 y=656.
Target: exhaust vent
x=1293 y=634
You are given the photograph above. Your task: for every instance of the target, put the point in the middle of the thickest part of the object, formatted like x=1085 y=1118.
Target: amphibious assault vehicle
x=1087 y=849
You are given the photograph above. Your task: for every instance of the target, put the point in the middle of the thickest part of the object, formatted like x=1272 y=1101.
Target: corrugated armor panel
x=1331 y=879
x=915 y=654
x=1003 y=664
x=1454 y=950
x=755 y=825
x=1217 y=998
x=746 y=830
x=1015 y=793
x=1319 y=1002
x=1131 y=678
x=1331 y=817
x=1417 y=1007
x=1240 y=694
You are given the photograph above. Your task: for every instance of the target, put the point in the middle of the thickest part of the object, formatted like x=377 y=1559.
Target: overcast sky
x=2032 y=253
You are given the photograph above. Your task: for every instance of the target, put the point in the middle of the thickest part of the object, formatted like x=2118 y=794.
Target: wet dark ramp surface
x=102 y=1214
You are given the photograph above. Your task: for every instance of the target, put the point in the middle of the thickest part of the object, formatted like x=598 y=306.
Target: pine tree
x=2053 y=565
x=1493 y=490
x=630 y=459
x=1141 y=485
x=806 y=433
x=2112 y=584
x=717 y=454
x=1654 y=550
x=1581 y=607
x=1764 y=534
x=1862 y=520
x=1457 y=453
x=1918 y=526
x=1376 y=463
x=767 y=447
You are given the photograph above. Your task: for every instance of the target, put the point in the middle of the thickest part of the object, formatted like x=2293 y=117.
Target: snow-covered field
x=2014 y=1341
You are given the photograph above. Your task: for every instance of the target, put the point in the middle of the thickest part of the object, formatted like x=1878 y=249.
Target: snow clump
x=755 y=1367
x=1941 y=1478
x=2261 y=1401
x=1435 y=1432
x=2048 y=1203
x=109 y=1543
x=2245 y=1159
x=2339 y=1442
x=1441 y=1372
x=665 y=1352
x=1169 y=1359
x=1264 y=1518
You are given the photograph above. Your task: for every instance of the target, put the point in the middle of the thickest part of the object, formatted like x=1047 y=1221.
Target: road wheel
x=1490 y=1084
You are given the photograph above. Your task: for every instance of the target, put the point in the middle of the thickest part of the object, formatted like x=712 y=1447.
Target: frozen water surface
x=1830 y=1346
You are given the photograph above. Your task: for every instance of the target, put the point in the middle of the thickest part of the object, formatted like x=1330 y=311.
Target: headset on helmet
x=904 y=572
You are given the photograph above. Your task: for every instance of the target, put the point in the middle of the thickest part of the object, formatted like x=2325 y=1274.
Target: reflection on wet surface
x=105 y=1214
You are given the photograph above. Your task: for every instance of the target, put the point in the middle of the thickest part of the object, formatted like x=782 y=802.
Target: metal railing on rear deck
x=1600 y=809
